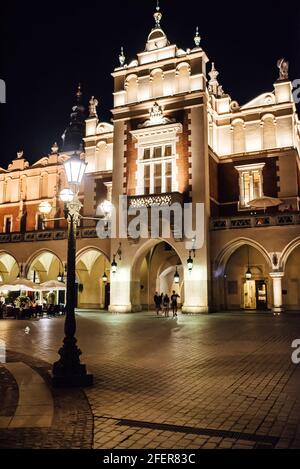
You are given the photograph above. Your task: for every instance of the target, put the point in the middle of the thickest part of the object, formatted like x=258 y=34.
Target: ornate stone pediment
x=156 y=117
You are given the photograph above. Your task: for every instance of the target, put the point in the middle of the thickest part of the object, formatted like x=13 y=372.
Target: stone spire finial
x=54 y=148
x=20 y=154
x=283 y=67
x=157 y=15
x=122 y=57
x=93 y=103
x=213 y=85
x=213 y=74
x=79 y=92
x=197 y=38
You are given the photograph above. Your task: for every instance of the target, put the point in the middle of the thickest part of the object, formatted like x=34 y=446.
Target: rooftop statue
x=283 y=66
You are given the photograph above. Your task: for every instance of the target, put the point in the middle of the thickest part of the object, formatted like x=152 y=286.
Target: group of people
x=164 y=303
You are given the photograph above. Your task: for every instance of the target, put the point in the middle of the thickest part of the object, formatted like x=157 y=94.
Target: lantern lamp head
x=75 y=168
x=104 y=277
x=114 y=266
x=45 y=207
x=176 y=276
x=248 y=274
x=190 y=263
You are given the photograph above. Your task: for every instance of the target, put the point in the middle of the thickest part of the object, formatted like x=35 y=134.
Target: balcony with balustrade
x=254 y=221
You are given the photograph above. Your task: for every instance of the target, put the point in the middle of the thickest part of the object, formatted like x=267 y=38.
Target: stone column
x=277 y=291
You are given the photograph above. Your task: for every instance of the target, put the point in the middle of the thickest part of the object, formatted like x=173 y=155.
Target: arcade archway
x=243 y=277
x=153 y=270
x=93 y=292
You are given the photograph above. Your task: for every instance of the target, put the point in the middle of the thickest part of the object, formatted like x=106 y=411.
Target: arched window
x=269 y=132
x=7 y=190
x=157 y=83
x=183 y=78
x=44 y=185
x=238 y=136
x=131 y=86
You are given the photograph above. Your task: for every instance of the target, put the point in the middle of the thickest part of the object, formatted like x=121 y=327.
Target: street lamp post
x=68 y=371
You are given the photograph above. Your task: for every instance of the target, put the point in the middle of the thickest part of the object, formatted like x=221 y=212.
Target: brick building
x=176 y=136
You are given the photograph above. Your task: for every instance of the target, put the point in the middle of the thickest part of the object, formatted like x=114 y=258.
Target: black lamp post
x=68 y=371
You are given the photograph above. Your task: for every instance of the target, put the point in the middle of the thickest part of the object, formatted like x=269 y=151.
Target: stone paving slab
x=43 y=417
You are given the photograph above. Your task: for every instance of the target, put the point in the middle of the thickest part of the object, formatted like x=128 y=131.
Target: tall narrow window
x=168 y=176
x=157 y=178
x=147 y=154
x=39 y=222
x=269 y=133
x=147 y=179
x=250 y=183
x=157 y=152
x=168 y=150
x=238 y=136
x=8 y=225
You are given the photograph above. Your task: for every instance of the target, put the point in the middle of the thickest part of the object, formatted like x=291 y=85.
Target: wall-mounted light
x=114 y=265
x=104 y=277
x=60 y=277
x=176 y=276
x=190 y=261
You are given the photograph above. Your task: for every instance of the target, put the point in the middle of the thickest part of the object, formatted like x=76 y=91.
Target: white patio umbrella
x=52 y=285
x=264 y=202
x=20 y=284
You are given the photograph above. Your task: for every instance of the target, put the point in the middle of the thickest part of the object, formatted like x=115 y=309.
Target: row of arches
x=45 y=265
x=158 y=84
x=154 y=266
x=267 y=133
x=234 y=291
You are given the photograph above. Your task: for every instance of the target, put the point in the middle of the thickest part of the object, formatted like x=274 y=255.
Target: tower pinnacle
x=197 y=38
x=157 y=15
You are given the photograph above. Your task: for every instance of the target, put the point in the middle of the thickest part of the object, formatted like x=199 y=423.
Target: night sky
x=48 y=47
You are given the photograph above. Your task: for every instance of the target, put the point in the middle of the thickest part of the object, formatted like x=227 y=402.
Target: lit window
x=157 y=178
x=156 y=166
x=147 y=179
x=147 y=154
x=157 y=152
x=168 y=175
x=250 y=183
x=168 y=150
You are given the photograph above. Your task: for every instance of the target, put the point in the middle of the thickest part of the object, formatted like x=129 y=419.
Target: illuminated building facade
x=176 y=136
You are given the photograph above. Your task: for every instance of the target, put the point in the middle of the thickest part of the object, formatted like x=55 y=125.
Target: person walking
x=174 y=305
x=157 y=302
x=166 y=305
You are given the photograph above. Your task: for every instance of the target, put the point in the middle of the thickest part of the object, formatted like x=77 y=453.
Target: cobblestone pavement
x=218 y=381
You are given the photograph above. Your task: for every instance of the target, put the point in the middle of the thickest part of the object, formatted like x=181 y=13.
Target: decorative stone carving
x=156 y=117
x=197 y=38
x=122 y=57
x=157 y=16
x=283 y=67
x=93 y=103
